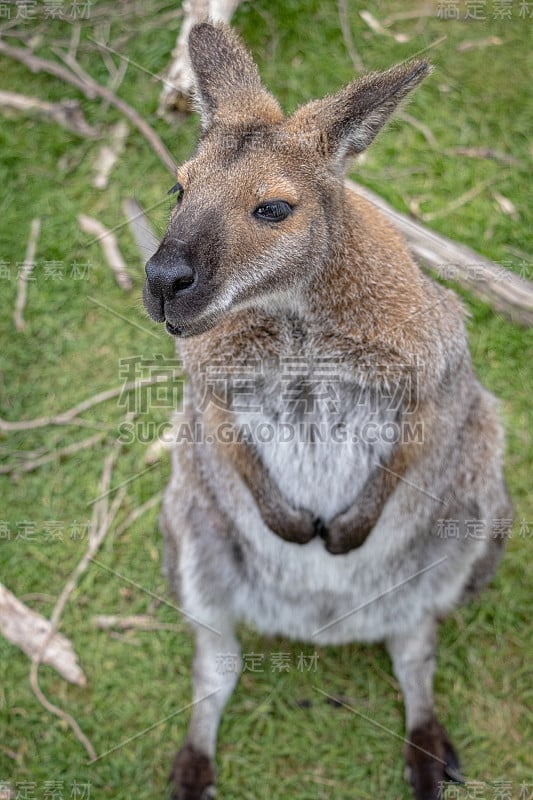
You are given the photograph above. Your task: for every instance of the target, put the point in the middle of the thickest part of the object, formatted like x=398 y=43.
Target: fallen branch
x=109 y=245
x=25 y=273
x=502 y=289
x=402 y=16
x=505 y=205
x=67 y=113
x=27 y=629
x=36 y=64
x=69 y=417
x=91 y=89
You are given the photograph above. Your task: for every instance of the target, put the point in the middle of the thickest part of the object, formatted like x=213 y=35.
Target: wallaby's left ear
x=350 y=120
x=227 y=79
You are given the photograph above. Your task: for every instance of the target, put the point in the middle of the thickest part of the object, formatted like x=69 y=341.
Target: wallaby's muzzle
x=170 y=292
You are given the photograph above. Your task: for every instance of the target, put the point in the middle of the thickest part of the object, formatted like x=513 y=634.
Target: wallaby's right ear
x=227 y=78
x=350 y=120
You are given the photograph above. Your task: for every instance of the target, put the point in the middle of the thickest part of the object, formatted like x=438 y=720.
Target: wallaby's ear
x=350 y=120
x=226 y=76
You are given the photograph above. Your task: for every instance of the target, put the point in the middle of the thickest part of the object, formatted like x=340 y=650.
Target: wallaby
x=334 y=447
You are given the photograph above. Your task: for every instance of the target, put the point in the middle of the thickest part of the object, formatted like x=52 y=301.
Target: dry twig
x=505 y=205
x=25 y=273
x=109 y=244
x=36 y=64
x=420 y=126
x=475 y=44
x=416 y=13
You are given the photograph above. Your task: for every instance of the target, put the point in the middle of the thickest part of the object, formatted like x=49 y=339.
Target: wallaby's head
x=259 y=205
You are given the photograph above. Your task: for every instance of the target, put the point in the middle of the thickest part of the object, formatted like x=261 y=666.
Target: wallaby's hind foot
x=430 y=760
x=193 y=775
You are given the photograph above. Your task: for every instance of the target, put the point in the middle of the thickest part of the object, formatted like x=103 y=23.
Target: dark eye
x=274 y=211
x=176 y=189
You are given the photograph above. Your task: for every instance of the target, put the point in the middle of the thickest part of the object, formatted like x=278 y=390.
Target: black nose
x=168 y=274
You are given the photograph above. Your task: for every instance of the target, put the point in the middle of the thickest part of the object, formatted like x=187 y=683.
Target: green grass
x=271 y=746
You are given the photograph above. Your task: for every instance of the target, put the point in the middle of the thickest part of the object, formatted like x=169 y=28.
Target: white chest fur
x=320 y=442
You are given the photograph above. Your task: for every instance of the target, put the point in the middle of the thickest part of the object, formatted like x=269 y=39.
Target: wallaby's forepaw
x=431 y=761
x=298 y=526
x=344 y=534
x=193 y=775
